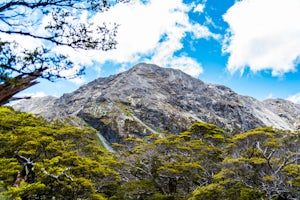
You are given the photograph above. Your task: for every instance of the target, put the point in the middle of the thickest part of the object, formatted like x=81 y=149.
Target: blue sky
x=251 y=46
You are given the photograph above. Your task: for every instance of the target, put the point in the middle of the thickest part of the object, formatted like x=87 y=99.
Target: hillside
x=60 y=161
x=149 y=99
x=63 y=160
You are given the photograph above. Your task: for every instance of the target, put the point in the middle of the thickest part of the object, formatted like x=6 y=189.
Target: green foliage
x=211 y=191
x=174 y=165
x=26 y=190
x=200 y=163
x=207 y=132
x=56 y=149
x=226 y=190
x=141 y=189
x=263 y=160
x=204 y=163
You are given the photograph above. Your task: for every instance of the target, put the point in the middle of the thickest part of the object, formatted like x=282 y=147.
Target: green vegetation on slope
x=54 y=148
x=200 y=163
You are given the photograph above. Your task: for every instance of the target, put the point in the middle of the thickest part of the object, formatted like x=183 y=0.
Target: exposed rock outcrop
x=150 y=99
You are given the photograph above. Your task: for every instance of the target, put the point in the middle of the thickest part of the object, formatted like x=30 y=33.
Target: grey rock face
x=287 y=110
x=37 y=105
x=150 y=99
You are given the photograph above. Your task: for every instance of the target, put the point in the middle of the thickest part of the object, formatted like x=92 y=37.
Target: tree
x=21 y=67
x=267 y=160
x=170 y=167
x=68 y=162
x=200 y=163
x=259 y=164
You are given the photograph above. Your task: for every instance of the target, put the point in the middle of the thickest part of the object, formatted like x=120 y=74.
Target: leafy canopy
x=201 y=163
x=67 y=160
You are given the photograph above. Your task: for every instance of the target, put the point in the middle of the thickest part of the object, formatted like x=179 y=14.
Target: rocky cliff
x=150 y=99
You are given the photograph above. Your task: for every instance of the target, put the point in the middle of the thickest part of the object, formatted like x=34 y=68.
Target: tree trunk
x=15 y=85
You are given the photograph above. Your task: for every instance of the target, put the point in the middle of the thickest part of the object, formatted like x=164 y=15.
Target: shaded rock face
x=149 y=99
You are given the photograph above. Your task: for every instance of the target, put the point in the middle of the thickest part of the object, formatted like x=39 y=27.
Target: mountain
x=38 y=105
x=150 y=99
x=286 y=110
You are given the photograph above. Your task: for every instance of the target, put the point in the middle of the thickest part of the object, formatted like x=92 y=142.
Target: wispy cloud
x=264 y=35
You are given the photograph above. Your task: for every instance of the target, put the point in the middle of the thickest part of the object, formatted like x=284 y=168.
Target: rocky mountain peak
x=150 y=99
x=151 y=76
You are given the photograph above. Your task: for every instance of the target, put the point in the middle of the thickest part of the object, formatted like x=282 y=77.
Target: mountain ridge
x=147 y=99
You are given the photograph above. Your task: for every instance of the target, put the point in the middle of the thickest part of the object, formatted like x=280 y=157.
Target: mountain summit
x=150 y=99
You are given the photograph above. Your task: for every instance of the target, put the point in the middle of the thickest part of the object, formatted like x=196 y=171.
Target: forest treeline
x=204 y=162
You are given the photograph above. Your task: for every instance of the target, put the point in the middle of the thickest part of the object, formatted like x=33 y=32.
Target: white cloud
x=24 y=41
x=199 y=8
x=264 y=34
x=294 y=98
x=149 y=32
x=187 y=65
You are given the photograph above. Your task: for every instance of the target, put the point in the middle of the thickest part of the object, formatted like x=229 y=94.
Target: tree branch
x=35 y=5
x=264 y=152
x=63 y=173
x=287 y=161
x=8 y=90
x=50 y=39
x=90 y=5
